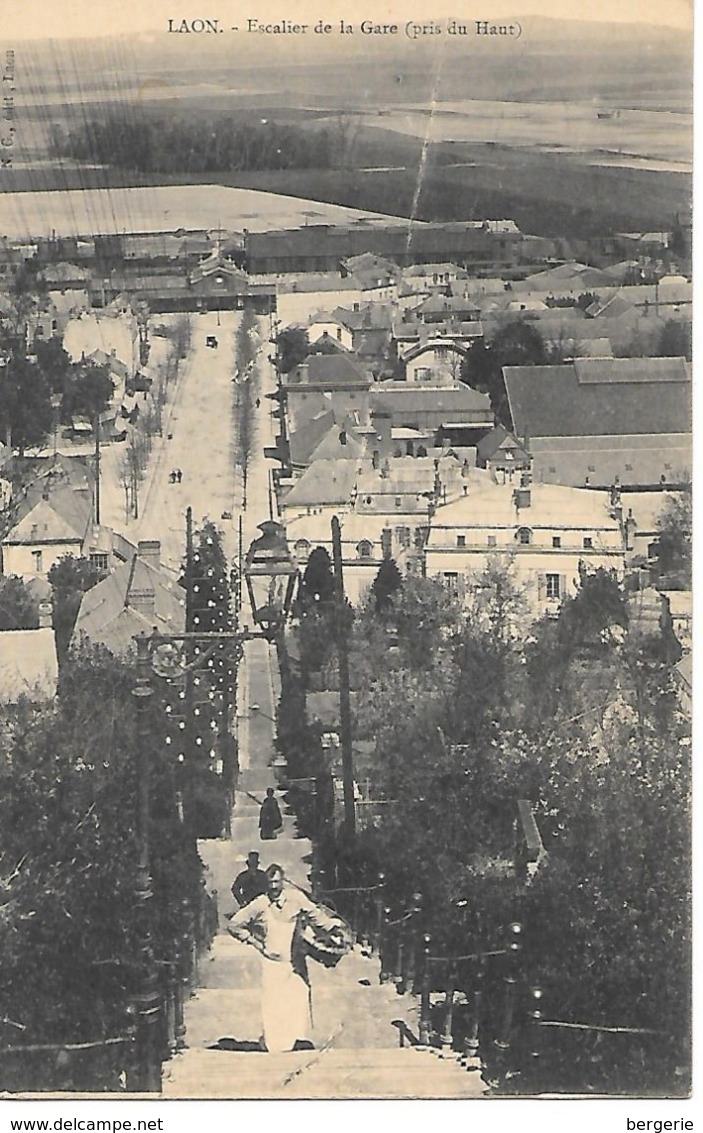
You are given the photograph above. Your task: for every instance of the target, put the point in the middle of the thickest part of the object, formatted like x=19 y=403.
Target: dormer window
x=524 y=536
x=461 y=540
x=302 y=548
x=364 y=549
x=588 y=543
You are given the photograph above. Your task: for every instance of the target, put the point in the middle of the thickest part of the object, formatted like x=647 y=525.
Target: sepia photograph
x=345 y=556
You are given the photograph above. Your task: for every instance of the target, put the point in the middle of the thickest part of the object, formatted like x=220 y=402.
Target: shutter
x=562 y=586
x=541 y=588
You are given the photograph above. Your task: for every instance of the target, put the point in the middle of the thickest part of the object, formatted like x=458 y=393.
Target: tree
x=18 y=610
x=675 y=534
x=317 y=583
x=386 y=583
x=517 y=343
x=598 y=612
x=70 y=579
x=675 y=340
x=54 y=363
x=68 y=859
x=88 y=391
x=26 y=414
x=497 y=602
x=292 y=348
x=424 y=614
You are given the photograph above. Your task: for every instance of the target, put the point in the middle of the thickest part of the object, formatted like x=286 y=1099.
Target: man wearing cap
x=250 y=883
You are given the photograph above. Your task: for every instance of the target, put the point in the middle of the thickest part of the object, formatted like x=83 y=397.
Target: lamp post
x=172 y=656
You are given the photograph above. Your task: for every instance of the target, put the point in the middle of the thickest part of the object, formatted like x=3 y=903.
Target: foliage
x=54 y=362
x=18 y=609
x=470 y=721
x=212 y=688
x=68 y=857
x=424 y=614
x=26 y=414
x=497 y=601
x=246 y=394
x=88 y=391
x=386 y=583
x=675 y=536
x=317 y=583
x=675 y=340
x=292 y=348
x=150 y=143
x=517 y=343
x=70 y=578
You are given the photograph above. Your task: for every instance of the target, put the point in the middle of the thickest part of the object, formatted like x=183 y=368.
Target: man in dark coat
x=270 y=818
x=250 y=883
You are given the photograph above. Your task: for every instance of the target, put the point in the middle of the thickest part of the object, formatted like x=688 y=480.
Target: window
x=553 y=585
x=364 y=549
x=524 y=536
x=38 y=557
x=588 y=543
x=339 y=334
x=461 y=540
x=99 y=560
x=491 y=540
x=451 y=581
x=591 y=468
x=302 y=548
x=556 y=541
x=398 y=501
x=628 y=468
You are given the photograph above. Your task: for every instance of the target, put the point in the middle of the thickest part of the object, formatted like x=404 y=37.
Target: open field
x=163 y=208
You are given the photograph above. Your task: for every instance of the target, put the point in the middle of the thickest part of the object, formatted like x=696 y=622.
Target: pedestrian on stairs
x=274 y=925
x=270 y=818
x=251 y=883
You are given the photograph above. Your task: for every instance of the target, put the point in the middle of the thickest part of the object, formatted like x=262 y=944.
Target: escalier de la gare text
x=412 y=29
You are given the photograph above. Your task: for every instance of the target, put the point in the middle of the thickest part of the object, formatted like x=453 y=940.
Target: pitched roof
x=28 y=665
x=111 y=612
x=330 y=370
x=600 y=461
x=324 y=482
x=341 y=442
x=596 y=397
x=64 y=515
x=64 y=273
x=499 y=439
x=489 y=504
x=400 y=397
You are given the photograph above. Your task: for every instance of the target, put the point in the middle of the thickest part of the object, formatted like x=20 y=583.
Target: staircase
x=357 y=1052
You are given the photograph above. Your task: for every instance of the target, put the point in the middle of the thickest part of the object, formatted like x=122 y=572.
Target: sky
x=64 y=19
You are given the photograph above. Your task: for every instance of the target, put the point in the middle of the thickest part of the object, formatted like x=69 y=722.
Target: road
x=200 y=440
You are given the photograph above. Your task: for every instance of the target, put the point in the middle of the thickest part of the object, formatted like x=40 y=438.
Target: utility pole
x=96 y=428
x=345 y=725
x=145 y=1073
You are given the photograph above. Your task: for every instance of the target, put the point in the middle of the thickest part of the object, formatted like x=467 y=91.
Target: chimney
x=149 y=551
x=522 y=498
x=46 y=617
x=630 y=527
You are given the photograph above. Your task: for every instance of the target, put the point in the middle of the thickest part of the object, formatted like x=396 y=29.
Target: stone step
x=327 y=1073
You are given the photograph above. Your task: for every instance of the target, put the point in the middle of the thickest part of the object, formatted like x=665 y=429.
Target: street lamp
x=270 y=574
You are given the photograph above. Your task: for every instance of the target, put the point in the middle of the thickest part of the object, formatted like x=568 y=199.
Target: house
x=64 y=276
x=430 y=277
x=376 y=276
x=297 y=299
x=28 y=661
x=599 y=421
x=383 y=505
x=544 y=530
x=98 y=330
x=219 y=282
x=436 y=362
x=323 y=381
x=137 y=598
x=48 y=521
x=451 y=409
x=501 y=452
